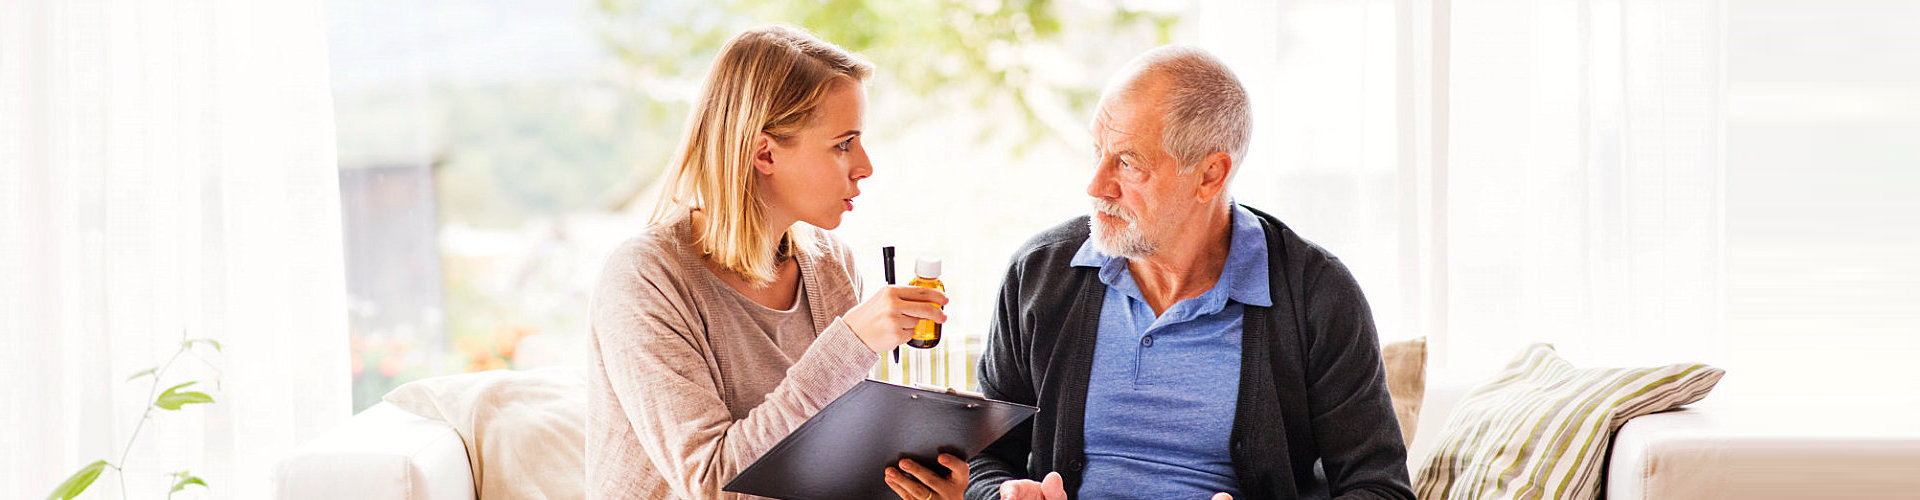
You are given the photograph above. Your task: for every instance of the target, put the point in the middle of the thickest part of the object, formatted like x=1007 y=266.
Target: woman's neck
x=779 y=292
x=775 y=232
x=773 y=229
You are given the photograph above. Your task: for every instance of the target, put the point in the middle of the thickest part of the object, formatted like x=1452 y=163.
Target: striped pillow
x=1541 y=428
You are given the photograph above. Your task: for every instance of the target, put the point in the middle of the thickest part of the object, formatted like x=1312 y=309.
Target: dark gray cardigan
x=1313 y=420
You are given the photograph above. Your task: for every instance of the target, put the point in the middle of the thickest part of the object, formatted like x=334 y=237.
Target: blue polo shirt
x=1162 y=395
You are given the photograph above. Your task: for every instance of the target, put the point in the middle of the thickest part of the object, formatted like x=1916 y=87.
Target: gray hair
x=1206 y=110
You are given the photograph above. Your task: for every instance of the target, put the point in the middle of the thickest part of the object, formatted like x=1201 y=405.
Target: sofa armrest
x=1745 y=451
x=381 y=453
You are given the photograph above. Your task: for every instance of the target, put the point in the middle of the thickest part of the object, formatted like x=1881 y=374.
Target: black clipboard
x=843 y=451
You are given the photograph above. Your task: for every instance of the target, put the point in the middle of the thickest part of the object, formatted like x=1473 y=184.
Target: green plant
x=949 y=55
x=171 y=399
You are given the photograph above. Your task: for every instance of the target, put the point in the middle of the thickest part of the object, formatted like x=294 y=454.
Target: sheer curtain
x=166 y=167
x=1325 y=80
x=1584 y=180
x=1498 y=172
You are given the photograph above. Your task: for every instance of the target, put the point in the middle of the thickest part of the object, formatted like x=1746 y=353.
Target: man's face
x=1140 y=198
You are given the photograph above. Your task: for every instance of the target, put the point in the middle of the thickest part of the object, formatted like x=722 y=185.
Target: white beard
x=1126 y=242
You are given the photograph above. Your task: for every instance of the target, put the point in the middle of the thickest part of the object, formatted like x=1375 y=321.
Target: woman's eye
x=844 y=145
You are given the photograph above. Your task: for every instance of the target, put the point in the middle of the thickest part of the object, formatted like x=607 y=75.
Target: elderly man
x=1191 y=347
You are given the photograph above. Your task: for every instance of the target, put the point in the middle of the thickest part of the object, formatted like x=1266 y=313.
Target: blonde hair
x=766 y=79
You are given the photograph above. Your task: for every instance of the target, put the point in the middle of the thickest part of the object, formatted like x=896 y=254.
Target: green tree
x=978 y=54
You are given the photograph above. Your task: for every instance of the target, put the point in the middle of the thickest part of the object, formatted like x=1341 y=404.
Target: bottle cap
x=926 y=267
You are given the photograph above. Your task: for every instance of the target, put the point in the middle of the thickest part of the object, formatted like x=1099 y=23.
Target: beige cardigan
x=682 y=395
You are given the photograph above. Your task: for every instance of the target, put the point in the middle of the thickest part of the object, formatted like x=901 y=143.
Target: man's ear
x=1214 y=170
x=763 y=145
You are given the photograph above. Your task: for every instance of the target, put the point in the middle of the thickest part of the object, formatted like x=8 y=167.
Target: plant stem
x=118 y=469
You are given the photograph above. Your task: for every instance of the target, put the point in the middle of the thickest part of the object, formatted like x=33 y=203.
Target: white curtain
x=1584 y=180
x=1325 y=81
x=166 y=167
x=1498 y=172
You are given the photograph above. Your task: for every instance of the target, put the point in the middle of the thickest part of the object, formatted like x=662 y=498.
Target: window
x=1493 y=173
x=491 y=153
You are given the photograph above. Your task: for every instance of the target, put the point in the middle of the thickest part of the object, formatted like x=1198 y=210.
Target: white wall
x=1823 y=198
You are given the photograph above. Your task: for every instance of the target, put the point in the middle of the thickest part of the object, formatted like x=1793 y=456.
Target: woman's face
x=813 y=176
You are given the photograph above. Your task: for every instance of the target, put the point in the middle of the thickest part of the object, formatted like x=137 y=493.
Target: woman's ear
x=763 y=145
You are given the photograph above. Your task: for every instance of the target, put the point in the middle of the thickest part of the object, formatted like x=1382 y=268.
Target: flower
x=391 y=366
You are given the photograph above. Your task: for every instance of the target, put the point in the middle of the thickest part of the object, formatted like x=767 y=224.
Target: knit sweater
x=685 y=387
x=1312 y=418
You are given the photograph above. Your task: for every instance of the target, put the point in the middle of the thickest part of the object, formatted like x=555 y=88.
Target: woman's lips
x=849 y=202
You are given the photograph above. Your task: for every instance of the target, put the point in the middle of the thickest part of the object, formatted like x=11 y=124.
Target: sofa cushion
x=1406 y=366
x=1541 y=428
x=524 y=430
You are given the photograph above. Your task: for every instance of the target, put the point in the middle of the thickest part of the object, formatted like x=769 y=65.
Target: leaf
x=184 y=481
x=142 y=373
x=175 y=401
x=79 y=481
x=172 y=400
x=215 y=343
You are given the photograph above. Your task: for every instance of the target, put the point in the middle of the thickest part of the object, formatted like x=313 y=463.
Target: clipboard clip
x=950 y=390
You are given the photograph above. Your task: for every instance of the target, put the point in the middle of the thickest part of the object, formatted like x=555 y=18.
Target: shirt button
x=1076 y=465
x=1146 y=341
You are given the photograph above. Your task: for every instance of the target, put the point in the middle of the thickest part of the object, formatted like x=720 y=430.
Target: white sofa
x=1735 y=445
x=1713 y=449
x=382 y=453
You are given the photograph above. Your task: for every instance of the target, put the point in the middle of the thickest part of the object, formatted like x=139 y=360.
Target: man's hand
x=925 y=484
x=1048 y=488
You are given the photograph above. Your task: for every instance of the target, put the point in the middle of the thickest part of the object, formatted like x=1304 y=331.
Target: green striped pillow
x=1541 y=428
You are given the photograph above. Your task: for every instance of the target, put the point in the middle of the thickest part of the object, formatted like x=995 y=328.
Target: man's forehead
x=1118 y=127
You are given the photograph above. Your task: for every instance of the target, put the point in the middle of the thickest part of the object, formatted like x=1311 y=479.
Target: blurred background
x=492 y=153
x=348 y=195
x=1730 y=182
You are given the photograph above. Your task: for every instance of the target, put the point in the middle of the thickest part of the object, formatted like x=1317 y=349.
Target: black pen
x=886 y=264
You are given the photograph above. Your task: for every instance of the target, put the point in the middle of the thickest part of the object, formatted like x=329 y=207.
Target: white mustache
x=1113 y=209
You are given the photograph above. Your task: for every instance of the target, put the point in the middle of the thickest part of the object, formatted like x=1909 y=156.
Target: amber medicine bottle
x=926 y=273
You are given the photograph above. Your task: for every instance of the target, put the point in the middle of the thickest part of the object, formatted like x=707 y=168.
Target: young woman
x=732 y=319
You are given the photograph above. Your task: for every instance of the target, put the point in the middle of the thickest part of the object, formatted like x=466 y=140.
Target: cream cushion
x=1406 y=364
x=524 y=430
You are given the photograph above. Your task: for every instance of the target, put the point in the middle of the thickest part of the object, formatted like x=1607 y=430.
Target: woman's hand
x=886 y=319
x=924 y=483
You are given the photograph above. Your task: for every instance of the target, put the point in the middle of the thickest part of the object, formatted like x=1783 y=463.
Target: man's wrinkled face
x=1139 y=195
